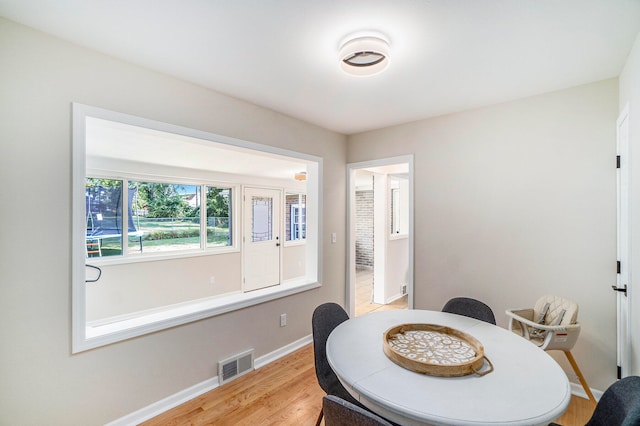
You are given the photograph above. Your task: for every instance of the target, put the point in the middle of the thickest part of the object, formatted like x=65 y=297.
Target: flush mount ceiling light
x=364 y=54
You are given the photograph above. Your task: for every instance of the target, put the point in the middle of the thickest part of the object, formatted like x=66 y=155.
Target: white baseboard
x=157 y=408
x=394 y=298
x=194 y=391
x=578 y=390
x=263 y=360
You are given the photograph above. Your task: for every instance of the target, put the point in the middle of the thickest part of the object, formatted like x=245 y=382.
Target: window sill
x=293 y=243
x=104 y=332
x=398 y=236
x=169 y=255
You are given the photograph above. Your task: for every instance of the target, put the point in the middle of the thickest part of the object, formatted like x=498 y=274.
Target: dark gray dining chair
x=338 y=412
x=619 y=405
x=327 y=317
x=470 y=308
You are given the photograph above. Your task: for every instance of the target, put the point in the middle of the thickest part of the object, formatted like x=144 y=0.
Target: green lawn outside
x=170 y=233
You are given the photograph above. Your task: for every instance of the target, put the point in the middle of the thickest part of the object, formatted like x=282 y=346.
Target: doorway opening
x=380 y=236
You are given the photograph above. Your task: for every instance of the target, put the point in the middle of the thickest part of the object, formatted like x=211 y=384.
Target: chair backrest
x=338 y=412
x=619 y=404
x=325 y=318
x=556 y=307
x=470 y=308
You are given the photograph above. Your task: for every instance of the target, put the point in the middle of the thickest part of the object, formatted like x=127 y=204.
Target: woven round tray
x=435 y=350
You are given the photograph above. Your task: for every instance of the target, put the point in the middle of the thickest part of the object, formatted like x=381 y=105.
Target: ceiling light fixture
x=300 y=176
x=364 y=54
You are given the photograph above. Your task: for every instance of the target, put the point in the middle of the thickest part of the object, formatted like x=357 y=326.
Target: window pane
x=165 y=216
x=395 y=211
x=399 y=208
x=262 y=216
x=103 y=214
x=218 y=216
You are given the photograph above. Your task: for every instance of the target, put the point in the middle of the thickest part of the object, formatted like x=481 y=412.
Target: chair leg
x=319 y=418
x=583 y=382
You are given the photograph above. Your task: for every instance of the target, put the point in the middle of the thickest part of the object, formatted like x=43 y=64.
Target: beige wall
x=42 y=383
x=293 y=262
x=515 y=201
x=630 y=94
x=132 y=287
x=396 y=267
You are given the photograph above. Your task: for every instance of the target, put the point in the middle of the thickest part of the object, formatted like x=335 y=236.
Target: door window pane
x=261 y=229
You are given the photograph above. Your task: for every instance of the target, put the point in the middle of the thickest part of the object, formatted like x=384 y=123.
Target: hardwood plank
x=579 y=412
x=285 y=392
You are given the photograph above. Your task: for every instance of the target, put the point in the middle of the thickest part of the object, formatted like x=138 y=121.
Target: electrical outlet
x=334 y=238
x=283 y=320
x=212 y=280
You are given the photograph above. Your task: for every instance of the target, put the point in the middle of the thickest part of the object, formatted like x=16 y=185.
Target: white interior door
x=261 y=240
x=623 y=281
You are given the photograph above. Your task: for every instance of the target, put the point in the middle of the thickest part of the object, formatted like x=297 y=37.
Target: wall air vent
x=235 y=366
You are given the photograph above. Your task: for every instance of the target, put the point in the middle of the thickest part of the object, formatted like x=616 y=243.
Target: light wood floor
x=284 y=393
x=364 y=295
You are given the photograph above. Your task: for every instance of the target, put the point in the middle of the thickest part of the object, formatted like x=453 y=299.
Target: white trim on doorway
x=623 y=285
x=382 y=164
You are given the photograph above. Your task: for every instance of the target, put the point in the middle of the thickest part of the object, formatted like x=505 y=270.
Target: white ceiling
x=363 y=177
x=137 y=144
x=446 y=55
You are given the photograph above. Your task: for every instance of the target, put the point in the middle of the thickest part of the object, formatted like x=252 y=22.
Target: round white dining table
x=526 y=387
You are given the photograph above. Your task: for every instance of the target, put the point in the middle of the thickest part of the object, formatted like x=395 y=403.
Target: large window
x=160 y=217
x=158 y=237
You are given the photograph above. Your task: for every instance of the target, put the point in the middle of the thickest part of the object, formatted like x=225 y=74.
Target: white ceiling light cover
x=364 y=54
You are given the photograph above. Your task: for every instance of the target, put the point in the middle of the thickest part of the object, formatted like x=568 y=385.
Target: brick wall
x=364 y=229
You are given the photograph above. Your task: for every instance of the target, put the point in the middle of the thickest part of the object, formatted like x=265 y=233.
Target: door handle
x=278 y=245
x=621 y=290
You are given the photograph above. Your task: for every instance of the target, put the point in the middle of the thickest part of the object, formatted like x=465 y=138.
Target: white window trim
x=100 y=333
x=87 y=336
